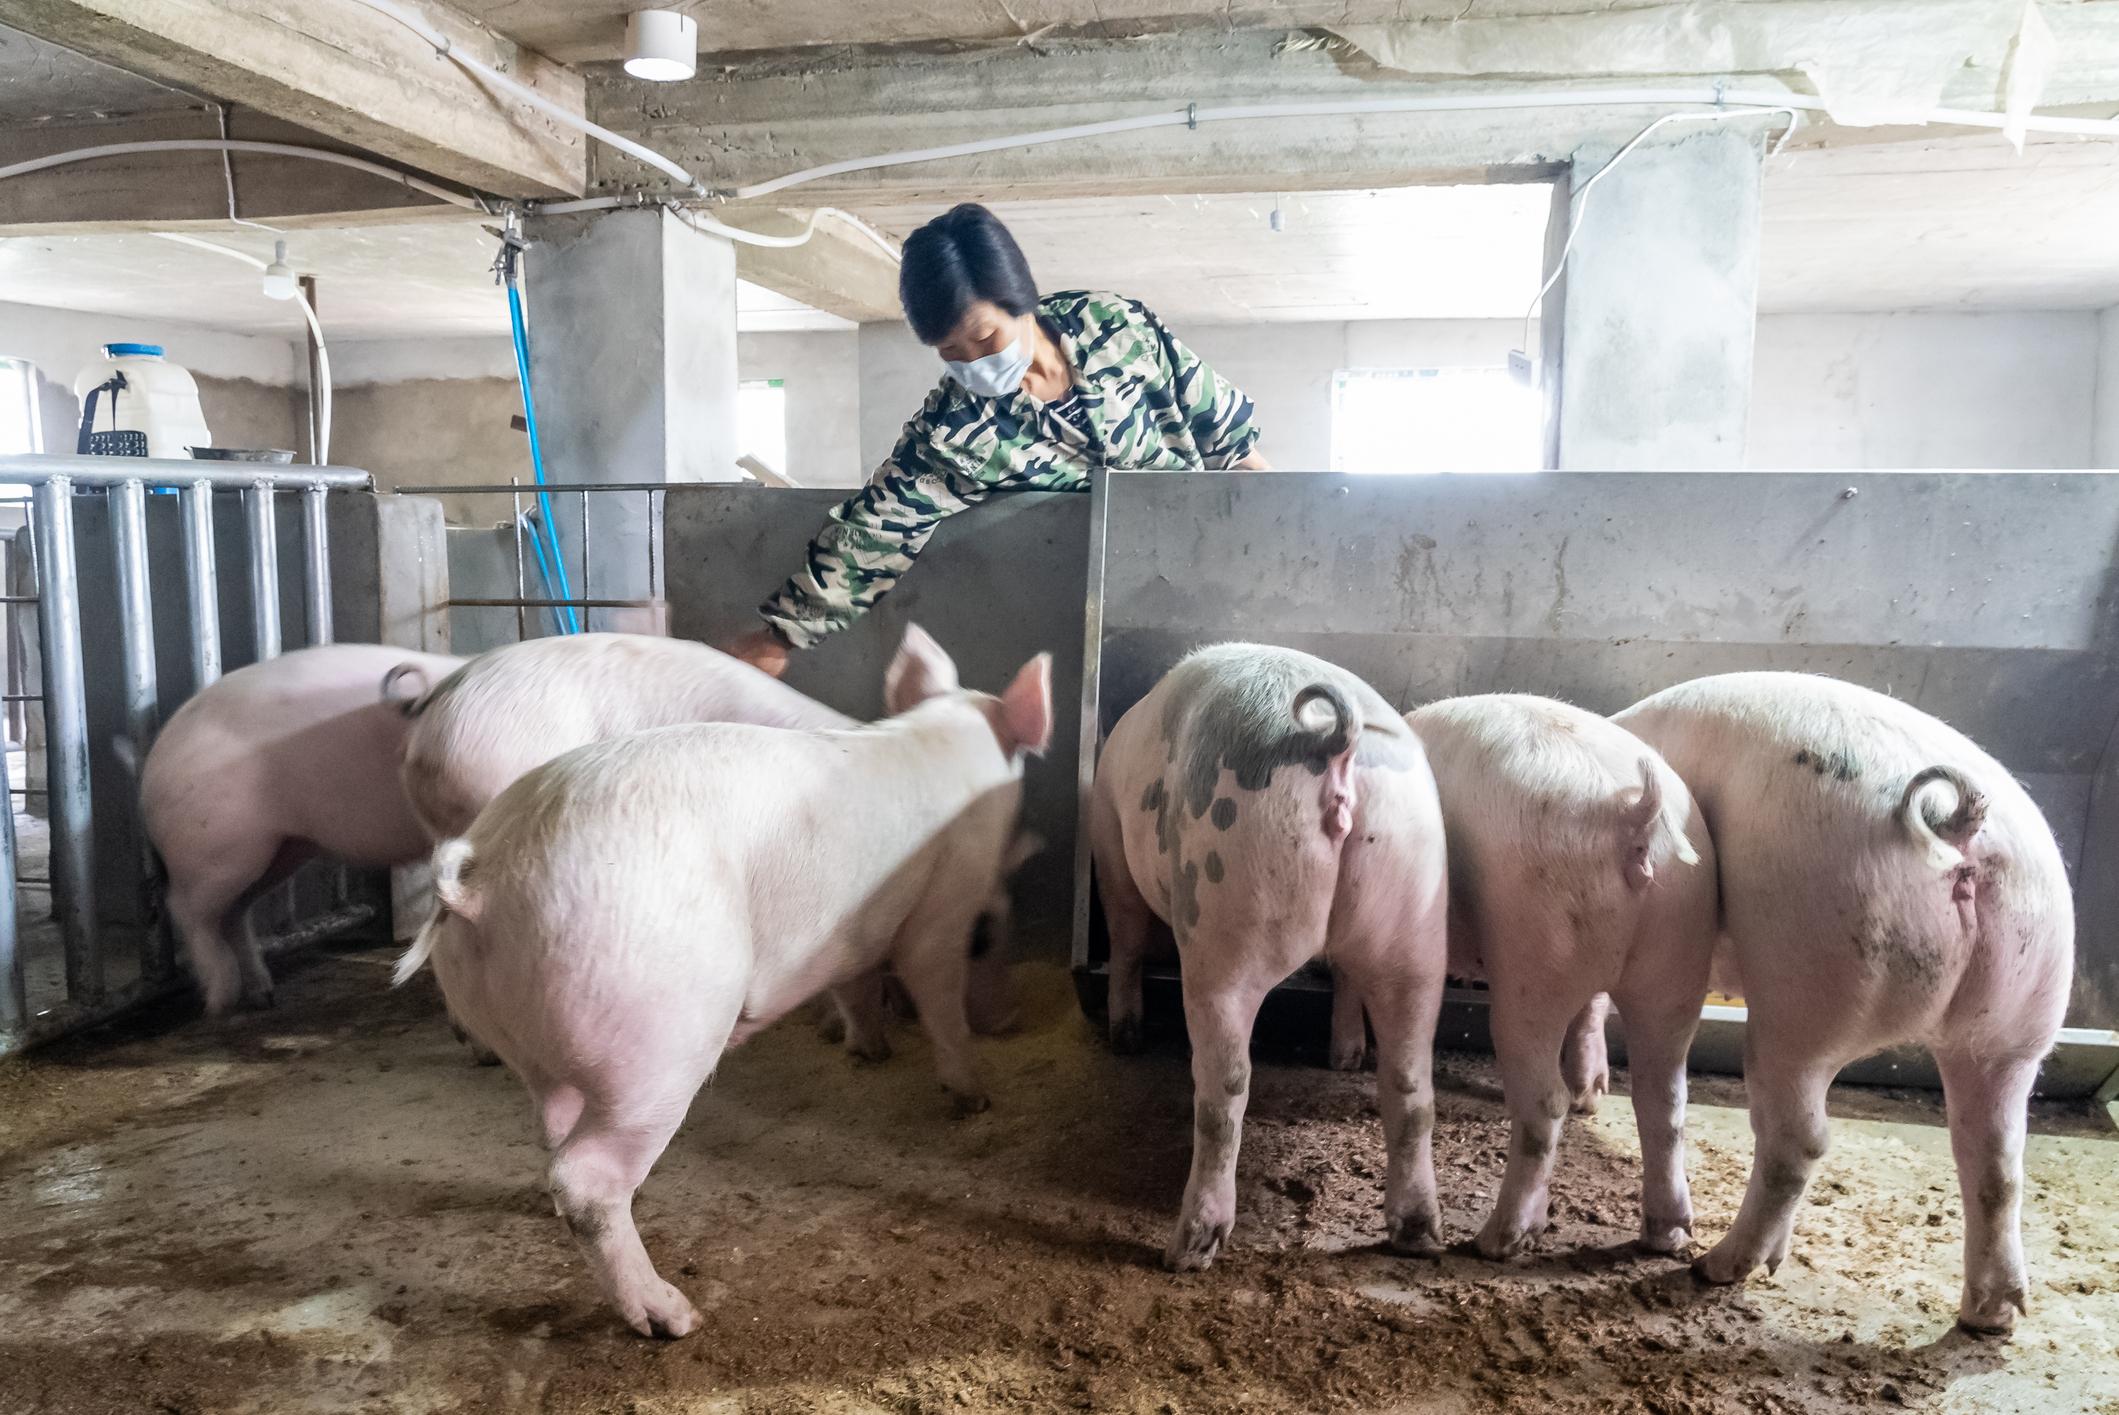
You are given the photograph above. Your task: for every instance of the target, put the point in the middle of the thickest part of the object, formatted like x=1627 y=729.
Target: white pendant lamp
x=661 y=45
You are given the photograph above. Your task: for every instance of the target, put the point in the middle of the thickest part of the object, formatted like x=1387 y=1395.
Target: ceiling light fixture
x=661 y=45
x=279 y=276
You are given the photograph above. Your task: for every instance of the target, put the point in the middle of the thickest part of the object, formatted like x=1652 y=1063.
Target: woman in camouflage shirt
x=1039 y=394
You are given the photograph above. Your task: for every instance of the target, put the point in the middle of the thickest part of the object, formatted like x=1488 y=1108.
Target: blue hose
x=568 y=621
x=544 y=571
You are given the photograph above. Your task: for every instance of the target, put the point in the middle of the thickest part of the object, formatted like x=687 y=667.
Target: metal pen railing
x=57 y=482
x=525 y=534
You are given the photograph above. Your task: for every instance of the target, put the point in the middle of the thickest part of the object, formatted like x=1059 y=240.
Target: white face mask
x=996 y=375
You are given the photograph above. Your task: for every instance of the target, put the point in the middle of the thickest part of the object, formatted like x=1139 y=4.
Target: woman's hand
x=763 y=650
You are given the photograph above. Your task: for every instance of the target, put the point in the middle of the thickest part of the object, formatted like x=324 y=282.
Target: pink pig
x=1883 y=881
x=518 y=707
x=1270 y=807
x=1578 y=865
x=620 y=916
x=272 y=765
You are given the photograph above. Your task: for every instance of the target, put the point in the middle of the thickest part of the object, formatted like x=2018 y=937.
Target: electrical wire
x=220 y=111
x=282 y=149
x=1580 y=200
x=513 y=88
x=323 y=354
x=1192 y=116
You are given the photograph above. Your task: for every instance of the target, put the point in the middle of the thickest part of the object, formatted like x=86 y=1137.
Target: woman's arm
x=1224 y=422
x=871 y=538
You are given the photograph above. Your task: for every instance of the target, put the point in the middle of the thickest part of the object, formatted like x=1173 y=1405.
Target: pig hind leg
x=1658 y=1037
x=1583 y=1058
x=1988 y=1101
x=1128 y=920
x=593 y=1176
x=206 y=912
x=1219 y=1014
x=1530 y=1026
x=1350 y=1028
x=1789 y=1133
x=933 y=960
x=1405 y=1003
x=857 y=1007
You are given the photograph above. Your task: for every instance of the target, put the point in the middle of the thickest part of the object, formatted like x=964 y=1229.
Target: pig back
x=518 y=707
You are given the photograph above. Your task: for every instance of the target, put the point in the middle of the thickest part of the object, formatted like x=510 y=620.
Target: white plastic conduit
x=1746 y=99
x=523 y=93
x=323 y=355
x=280 y=149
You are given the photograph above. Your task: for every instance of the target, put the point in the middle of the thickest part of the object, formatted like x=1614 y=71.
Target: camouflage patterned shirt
x=1141 y=401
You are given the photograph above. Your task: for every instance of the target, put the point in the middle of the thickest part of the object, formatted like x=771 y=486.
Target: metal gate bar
x=56 y=482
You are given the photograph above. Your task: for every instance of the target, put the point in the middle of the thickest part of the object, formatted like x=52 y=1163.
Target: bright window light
x=1434 y=420
x=19 y=432
x=761 y=422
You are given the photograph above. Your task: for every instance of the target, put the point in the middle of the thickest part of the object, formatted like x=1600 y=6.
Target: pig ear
x=919 y=671
x=1026 y=708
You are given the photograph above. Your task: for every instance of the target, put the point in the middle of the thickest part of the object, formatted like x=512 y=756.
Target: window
x=19 y=432
x=1434 y=420
x=761 y=422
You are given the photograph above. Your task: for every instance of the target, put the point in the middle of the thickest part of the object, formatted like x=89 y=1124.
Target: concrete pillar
x=1654 y=319
x=633 y=361
x=2104 y=432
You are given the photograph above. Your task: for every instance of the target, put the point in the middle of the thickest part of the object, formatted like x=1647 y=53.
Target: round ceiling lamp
x=661 y=45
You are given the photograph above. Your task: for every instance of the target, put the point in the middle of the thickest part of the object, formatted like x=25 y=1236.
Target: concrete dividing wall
x=994 y=587
x=1988 y=599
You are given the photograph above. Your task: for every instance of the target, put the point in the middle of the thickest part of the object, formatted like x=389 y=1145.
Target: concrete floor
x=324 y=1208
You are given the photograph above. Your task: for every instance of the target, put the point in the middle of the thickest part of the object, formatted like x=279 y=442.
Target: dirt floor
x=324 y=1208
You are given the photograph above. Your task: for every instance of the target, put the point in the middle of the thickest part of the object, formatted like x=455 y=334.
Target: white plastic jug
x=145 y=405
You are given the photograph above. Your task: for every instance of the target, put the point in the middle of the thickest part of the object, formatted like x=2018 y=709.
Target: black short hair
x=961 y=257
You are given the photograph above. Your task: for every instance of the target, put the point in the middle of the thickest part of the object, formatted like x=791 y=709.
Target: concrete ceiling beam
x=837 y=270
x=347 y=72
x=772 y=115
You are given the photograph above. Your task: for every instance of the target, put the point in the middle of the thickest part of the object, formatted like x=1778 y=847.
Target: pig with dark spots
x=1271 y=808
x=274 y=764
x=1883 y=881
x=518 y=707
x=1579 y=867
x=623 y=915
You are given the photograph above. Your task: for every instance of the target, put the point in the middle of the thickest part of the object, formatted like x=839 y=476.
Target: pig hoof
x=1499 y=1244
x=1416 y=1236
x=1666 y=1237
x=1193 y=1246
x=1997 y=1326
x=962 y=1103
x=1350 y=1058
x=1993 y=1313
x=257 y=999
x=1000 y=1026
x=832 y=1030
x=1125 y=1035
x=481 y=1054
x=666 y=1314
x=1717 y=1269
x=873 y=1050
